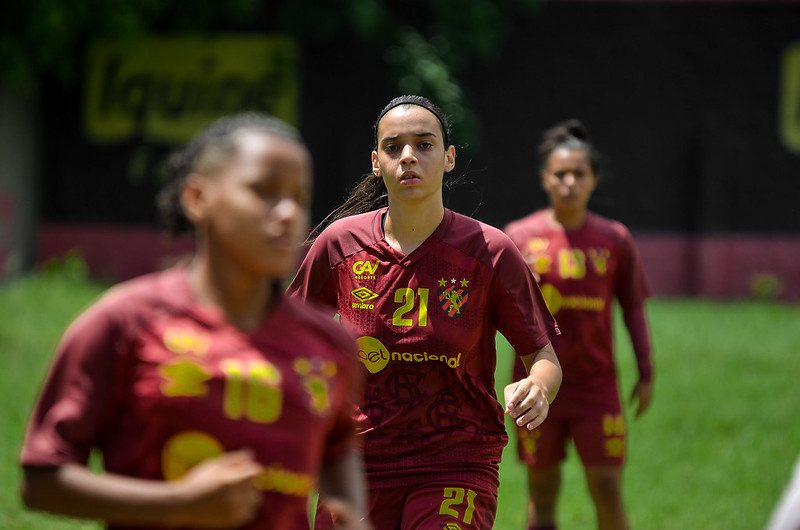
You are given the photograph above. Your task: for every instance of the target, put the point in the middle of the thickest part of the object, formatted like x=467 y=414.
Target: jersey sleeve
x=69 y=412
x=315 y=279
x=632 y=290
x=517 y=307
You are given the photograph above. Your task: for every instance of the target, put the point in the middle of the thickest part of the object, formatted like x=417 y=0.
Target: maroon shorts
x=431 y=505
x=599 y=440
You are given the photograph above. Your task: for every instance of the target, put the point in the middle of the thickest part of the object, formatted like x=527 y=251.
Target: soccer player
x=583 y=262
x=214 y=400
x=426 y=289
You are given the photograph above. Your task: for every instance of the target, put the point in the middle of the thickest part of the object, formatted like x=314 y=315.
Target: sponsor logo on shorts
x=375 y=356
x=556 y=301
x=363 y=295
x=453 y=296
x=365 y=270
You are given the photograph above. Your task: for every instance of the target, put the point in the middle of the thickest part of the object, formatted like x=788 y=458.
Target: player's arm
x=636 y=324
x=218 y=493
x=342 y=484
x=528 y=400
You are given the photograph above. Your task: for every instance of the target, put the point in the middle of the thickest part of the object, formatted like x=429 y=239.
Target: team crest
x=599 y=259
x=315 y=374
x=453 y=296
x=538 y=244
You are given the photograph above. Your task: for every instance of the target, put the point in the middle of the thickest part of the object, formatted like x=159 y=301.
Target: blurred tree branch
x=426 y=43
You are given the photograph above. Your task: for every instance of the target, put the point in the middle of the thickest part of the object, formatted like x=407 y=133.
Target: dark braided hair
x=207 y=151
x=370 y=193
x=570 y=134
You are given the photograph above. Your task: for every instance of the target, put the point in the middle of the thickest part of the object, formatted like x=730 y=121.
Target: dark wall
x=681 y=99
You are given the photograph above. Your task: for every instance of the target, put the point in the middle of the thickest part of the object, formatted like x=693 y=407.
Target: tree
x=427 y=43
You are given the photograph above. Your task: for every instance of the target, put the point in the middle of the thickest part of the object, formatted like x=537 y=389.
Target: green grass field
x=713 y=452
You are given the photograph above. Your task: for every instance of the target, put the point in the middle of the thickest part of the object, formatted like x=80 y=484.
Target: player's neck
x=243 y=299
x=408 y=225
x=569 y=218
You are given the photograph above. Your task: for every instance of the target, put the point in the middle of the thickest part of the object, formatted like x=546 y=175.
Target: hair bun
x=576 y=129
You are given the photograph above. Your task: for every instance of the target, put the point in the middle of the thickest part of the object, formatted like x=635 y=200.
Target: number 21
x=454 y=497
x=407 y=297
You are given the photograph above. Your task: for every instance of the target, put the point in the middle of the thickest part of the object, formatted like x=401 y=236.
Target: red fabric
x=427 y=323
x=581 y=272
x=158 y=383
x=599 y=439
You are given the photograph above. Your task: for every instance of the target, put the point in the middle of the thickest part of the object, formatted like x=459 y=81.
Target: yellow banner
x=168 y=88
x=789 y=112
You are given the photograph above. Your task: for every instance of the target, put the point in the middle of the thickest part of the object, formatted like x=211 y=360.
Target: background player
x=583 y=262
x=214 y=400
x=427 y=289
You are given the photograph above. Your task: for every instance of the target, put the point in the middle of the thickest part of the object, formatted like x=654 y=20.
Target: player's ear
x=194 y=198
x=449 y=159
x=543 y=179
x=376 y=166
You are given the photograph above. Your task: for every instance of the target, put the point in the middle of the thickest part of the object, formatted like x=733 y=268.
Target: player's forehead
x=410 y=120
x=567 y=157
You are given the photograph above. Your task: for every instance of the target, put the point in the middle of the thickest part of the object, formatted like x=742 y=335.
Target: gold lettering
x=165 y=89
x=789 y=112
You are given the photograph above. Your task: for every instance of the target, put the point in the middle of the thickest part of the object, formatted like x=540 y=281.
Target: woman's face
x=411 y=155
x=568 y=179
x=255 y=206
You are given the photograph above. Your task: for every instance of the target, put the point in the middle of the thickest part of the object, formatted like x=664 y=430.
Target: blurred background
x=695 y=106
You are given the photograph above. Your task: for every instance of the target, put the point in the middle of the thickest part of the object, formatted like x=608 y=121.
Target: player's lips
x=409 y=177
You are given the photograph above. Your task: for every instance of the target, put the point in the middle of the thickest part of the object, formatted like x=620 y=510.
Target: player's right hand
x=344 y=517
x=219 y=493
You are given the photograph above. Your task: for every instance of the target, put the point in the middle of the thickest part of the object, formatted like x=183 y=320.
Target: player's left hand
x=642 y=395
x=526 y=402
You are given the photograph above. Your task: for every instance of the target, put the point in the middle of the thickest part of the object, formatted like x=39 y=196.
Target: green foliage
x=46 y=37
x=70 y=267
x=427 y=44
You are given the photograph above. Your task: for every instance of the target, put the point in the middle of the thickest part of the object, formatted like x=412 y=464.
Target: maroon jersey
x=580 y=273
x=427 y=324
x=159 y=383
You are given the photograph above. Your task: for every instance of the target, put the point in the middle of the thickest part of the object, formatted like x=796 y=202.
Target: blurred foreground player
x=215 y=401
x=583 y=262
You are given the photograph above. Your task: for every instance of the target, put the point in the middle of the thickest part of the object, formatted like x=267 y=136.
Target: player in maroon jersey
x=583 y=262
x=426 y=289
x=215 y=400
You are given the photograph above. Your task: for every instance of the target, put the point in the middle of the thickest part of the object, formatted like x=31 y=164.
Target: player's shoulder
x=127 y=304
x=608 y=227
x=317 y=321
x=476 y=238
x=353 y=224
x=348 y=235
x=533 y=222
x=153 y=288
